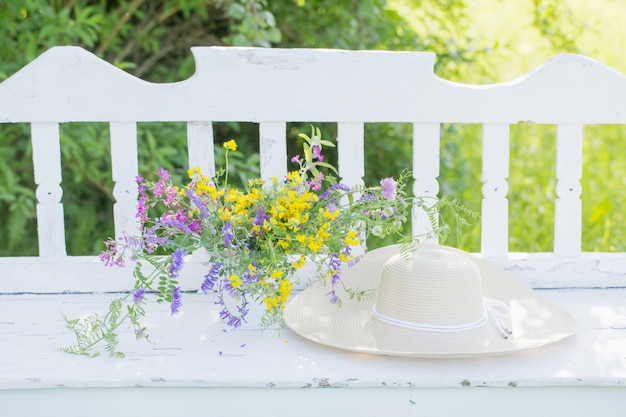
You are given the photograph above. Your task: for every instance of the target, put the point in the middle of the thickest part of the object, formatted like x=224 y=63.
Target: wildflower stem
x=226 y=168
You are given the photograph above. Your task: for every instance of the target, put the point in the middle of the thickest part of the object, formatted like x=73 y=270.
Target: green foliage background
x=473 y=40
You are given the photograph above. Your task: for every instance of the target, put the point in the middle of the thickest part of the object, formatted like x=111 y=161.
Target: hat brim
x=535 y=321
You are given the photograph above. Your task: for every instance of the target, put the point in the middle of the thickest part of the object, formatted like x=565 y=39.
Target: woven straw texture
x=534 y=321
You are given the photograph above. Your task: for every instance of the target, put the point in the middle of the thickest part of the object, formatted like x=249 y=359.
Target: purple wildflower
x=316 y=152
x=259 y=219
x=152 y=241
x=211 y=277
x=338 y=186
x=111 y=256
x=295 y=159
x=228 y=317
x=249 y=278
x=388 y=188
x=170 y=196
x=159 y=189
x=176 y=301
x=177 y=262
x=233 y=292
x=163 y=173
x=368 y=197
x=133 y=243
x=195 y=226
x=334 y=298
x=334 y=267
x=167 y=221
x=331 y=207
x=198 y=203
x=316 y=183
x=138 y=295
x=228 y=234
x=356 y=260
x=140 y=187
x=142 y=210
x=181 y=216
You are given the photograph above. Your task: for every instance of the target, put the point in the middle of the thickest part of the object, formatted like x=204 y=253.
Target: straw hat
x=434 y=302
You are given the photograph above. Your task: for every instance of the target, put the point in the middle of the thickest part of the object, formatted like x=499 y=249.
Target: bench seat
x=193 y=366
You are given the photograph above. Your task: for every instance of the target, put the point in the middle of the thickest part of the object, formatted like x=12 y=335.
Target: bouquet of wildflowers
x=256 y=239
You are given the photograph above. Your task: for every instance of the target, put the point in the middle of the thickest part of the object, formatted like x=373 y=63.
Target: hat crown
x=431 y=287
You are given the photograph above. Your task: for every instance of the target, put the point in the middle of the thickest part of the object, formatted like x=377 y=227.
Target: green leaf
x=237 y=11
x=327 y=165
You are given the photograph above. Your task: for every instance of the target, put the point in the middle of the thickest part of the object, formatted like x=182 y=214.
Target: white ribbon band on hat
x=494 y=309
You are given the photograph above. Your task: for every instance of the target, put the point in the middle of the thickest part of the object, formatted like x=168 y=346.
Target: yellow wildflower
x=322 y=233
x=255 y=182
x=270 y=303
x=235 y=281
x=204 y=186
x=331 y=215
x=345 y=258
x=299 y=263
x=193 y=172
x=294 y=176
x=224 y=214
x=315 y=245
x=351 y=238
x=284 y=291
x=231 y=145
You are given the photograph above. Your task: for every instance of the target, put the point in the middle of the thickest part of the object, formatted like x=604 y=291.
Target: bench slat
x=200 y=147
x=495 y=206
x=426 y=139
x=351 y=153
x=47 y=169
x=273 y=149
x=124 y=166
x=568 y=206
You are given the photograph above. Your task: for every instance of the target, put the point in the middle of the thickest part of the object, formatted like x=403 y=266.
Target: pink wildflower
x=316 y=183
x=316 y=152
x=388 y=188
x=171 y=194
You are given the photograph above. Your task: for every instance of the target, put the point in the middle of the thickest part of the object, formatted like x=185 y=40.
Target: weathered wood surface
x=195 y=368
x=305 y=84
x=192 y=352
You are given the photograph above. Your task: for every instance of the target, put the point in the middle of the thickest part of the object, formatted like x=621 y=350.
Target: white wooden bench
x=195 y=368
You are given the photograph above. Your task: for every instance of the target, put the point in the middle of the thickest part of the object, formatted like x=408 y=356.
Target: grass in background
x=604 y=188
x=532 y=188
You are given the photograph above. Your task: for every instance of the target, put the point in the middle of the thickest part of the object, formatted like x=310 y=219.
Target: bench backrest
x=272 y=87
